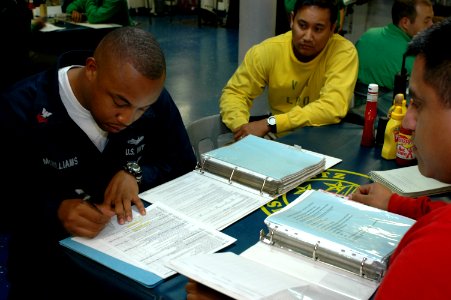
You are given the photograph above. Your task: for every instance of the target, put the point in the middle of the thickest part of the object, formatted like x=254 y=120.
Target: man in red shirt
x=419 y=267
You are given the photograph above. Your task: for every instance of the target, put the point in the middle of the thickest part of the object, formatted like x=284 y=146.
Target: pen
x=87 y=199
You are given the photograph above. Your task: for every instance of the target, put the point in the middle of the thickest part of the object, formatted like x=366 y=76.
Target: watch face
x=134 y=168
x=271 y=121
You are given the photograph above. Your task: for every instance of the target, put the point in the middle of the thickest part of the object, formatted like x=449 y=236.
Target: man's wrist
x=134 y=169
x=271 y=122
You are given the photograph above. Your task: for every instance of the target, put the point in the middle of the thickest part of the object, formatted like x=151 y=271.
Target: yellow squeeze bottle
x=391 y=133
x=404 y=107
x=398 y=100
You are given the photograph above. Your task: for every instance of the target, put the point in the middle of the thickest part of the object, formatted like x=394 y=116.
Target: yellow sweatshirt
x=315 y=93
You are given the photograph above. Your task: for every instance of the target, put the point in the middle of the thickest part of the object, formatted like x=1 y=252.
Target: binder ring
x=203 y=164
x=361 y=266
x=270 y=237
x=314 y=251
x=231 y=175
x=263 y=185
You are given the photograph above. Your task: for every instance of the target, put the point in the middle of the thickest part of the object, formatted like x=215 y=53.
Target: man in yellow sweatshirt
x=310 y=74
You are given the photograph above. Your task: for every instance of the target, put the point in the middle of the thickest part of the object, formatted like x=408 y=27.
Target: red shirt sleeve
x=419 y=267
x=412 y=207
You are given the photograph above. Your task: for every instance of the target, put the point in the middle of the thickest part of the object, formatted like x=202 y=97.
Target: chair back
x=208 y=133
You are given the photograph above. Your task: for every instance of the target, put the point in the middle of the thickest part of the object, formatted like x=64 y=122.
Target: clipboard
x=146 y=278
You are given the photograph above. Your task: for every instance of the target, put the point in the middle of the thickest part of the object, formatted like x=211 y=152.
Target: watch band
x=271 y=121
x=134 y=169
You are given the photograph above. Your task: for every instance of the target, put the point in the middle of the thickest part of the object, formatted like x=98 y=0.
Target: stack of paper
x=266 y=165
x=140 y=249
x=409 y=182
x=338 y=231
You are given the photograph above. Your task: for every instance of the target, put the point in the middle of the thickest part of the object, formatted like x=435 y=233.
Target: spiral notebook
x=409 y=182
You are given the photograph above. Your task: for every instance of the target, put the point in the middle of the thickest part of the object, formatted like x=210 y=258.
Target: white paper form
x=235 y=276
x=325 y=277
x=149 y=241
x=50 y=27
x=97 y=26
x=330 y=160
x=210 y=201
x=265 y=272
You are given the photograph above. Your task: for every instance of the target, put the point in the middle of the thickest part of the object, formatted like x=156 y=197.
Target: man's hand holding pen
x=84 y=218
x=87 y=198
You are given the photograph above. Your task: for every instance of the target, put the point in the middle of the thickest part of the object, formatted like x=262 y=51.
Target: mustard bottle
x=398 y=100
x=391 y=133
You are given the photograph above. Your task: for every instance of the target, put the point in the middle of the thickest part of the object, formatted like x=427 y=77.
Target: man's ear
x=291 y=19
x=91 y=68
x=332 y=29
x=404 y=24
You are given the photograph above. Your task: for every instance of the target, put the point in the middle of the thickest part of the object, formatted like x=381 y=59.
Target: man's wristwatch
x=134 y=169
x=272 y=124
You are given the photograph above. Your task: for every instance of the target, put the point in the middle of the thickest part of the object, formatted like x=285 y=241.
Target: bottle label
x=396 y=134
x=371 y=96
x=404 y=148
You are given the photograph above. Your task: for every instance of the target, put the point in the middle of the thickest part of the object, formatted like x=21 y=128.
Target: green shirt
x=289 y=5
x=380 y=53
x=102 y=11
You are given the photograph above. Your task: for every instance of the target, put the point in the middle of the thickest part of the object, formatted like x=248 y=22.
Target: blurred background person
x=100 y=11
x=381 y=49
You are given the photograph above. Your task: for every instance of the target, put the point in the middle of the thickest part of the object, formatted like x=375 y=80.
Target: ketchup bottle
x=404 y=149
x=368 y=138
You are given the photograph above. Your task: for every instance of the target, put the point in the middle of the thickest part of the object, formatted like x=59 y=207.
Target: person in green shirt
x=381 y=49
x=340 y=17
x=100 y=11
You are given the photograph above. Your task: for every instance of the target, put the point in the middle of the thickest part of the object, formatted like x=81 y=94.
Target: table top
x=341 y=141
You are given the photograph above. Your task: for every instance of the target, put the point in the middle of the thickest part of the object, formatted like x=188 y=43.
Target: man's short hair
x=406 y=8
x=331 y=5
x=135 y=46
x=432 y=46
